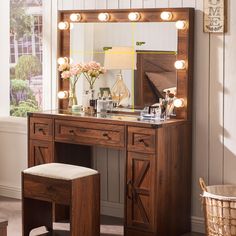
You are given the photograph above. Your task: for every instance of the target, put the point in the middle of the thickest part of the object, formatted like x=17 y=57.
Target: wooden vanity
x=157 y=178
x=158 y=162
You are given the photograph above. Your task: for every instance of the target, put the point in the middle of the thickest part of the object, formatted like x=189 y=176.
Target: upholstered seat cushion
x=60 y=171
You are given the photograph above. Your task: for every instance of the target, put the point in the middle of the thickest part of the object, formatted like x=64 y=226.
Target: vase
x=72 y=95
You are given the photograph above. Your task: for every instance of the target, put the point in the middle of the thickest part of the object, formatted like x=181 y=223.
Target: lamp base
x=120 y=92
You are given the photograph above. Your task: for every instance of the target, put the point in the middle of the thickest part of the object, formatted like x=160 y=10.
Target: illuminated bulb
x=62 y=94
x=62 y=60
x=103 y=16
x=180 y=65
x=179 y=102
x=75 y=17
x=134 y=16
x=166 y=15
x=180 y=24
x=63 y=25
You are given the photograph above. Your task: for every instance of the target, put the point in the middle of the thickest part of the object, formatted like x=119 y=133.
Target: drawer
x=141 y=140
x=41 y=128
x=47 y=189
x=90 y=133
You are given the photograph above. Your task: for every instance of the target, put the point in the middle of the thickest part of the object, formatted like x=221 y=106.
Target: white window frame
x=49 y=56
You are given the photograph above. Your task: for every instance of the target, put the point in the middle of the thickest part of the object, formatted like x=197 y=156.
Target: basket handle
x=202 y=184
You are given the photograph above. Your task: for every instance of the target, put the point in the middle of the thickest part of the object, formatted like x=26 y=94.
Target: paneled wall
x=214 y=136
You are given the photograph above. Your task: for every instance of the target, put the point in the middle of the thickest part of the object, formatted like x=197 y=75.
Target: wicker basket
x=219 y=204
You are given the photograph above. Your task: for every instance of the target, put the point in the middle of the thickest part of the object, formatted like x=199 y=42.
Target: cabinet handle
x=129 y=189
x=71 y=131
x=106 y=135
x=142 y=141
x=41 y=130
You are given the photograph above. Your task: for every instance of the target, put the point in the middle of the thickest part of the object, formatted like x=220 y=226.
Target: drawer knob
x=106 y=135
x=142 y=141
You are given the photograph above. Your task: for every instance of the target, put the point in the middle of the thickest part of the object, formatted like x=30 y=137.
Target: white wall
x=13 y=155
x=214 y=136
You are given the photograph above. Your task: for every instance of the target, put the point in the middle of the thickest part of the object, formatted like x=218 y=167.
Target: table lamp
x=120 y=58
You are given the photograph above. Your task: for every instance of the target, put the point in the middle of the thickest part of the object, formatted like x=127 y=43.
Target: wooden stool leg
x=85 y=206
x=35 y=213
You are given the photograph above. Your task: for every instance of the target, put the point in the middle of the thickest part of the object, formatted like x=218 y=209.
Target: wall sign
x=214 y=16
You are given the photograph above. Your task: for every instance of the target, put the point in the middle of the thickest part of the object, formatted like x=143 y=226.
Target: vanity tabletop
x=107 y=118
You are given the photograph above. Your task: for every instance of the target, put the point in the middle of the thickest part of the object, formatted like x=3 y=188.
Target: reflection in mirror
x=90 y=41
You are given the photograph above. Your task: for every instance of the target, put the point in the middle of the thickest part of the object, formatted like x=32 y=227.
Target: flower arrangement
x=91 y=71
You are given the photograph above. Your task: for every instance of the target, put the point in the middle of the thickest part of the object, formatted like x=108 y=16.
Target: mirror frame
x=185 y=46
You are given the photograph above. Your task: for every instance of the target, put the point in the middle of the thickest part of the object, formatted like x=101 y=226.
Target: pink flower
x=76 y=70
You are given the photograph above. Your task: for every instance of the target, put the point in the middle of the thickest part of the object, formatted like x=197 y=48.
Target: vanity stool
x=75 y=186
x=3 y=227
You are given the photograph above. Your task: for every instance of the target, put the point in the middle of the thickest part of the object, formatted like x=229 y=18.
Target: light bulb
x=180 y=65
x=62 y=60
x=103 y=16
x=62 y=94
x=75 y=17
x=180 y=24
x=134 y=16
x=63 y=25
x=179 y=102
x=166 y=15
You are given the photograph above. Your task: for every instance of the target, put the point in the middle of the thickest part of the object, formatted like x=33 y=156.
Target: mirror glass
x=90 y=42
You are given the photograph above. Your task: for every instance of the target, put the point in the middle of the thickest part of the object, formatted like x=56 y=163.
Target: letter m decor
x=215 y=16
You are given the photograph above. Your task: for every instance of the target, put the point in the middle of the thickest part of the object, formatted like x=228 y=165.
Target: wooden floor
x=194 y=234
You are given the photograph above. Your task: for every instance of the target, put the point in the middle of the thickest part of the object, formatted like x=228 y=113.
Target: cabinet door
x=140 y=191
x=40 y=152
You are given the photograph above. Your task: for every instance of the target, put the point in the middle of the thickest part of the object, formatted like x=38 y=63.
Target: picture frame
x=105 y=91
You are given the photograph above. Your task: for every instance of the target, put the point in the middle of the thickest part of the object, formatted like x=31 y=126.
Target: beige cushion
x=60 y=171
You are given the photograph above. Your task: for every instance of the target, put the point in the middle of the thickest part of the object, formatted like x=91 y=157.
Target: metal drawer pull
x=106 y=135
x=142 y=141
x=41 y=130
x=71 y=131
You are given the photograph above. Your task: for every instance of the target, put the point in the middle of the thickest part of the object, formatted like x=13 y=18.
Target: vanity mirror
x=158 y=39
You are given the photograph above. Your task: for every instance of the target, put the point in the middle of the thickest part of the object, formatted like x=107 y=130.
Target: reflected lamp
x=120 y=58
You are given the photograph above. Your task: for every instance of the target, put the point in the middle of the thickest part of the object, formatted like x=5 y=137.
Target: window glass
x=26 y=56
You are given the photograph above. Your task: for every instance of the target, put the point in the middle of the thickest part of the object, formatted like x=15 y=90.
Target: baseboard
x=198 y=224
x=11 y=192
x=112 y=209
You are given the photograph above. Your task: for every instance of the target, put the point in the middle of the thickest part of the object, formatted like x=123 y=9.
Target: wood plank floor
x=10 y=209
x=194 y=234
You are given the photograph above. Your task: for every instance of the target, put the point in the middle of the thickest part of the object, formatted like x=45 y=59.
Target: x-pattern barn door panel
x=140 y=187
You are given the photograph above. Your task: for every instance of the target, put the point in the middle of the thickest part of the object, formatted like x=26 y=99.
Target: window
x=26 y=56
x=28 y=82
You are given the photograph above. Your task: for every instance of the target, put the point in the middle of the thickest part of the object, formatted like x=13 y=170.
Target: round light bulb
x=62 y=60
x=180 y=65
x=75 y=17
x=166 y=15
x=62 y=94
x=180 y=24
x=63 y=25
x=103 y=16
x=134 y=16
x=179 y=102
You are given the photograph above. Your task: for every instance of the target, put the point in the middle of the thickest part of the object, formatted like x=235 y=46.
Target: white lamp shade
x=120 y=58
